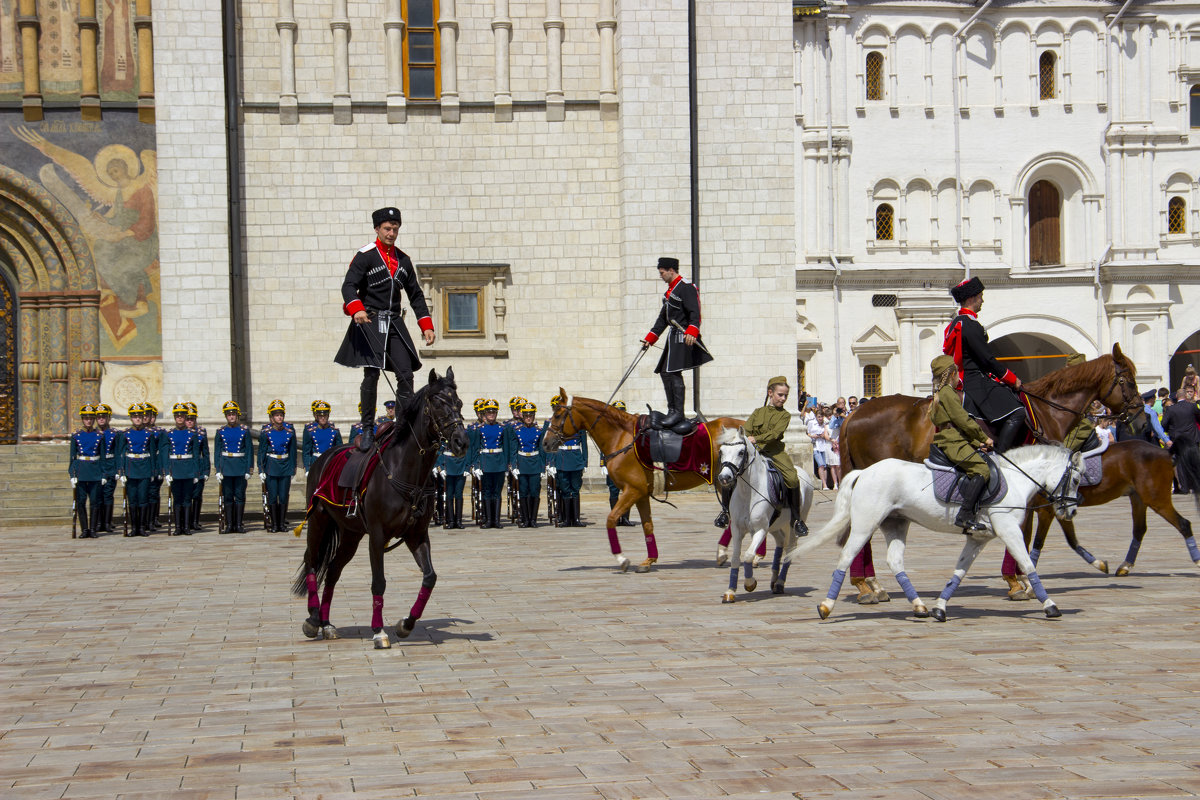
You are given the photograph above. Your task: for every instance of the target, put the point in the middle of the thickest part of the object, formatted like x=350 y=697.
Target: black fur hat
x=966 y=290
x=383 y=215
x=666 y=262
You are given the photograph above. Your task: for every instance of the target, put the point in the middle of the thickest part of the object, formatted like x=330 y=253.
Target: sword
x=629 y=371
x=125 y=509
x=74 y=514
x=221 y=505
x=682 y=330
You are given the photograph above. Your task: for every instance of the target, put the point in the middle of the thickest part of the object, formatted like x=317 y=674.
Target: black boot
x=89 y=519
x=673 y=386
x=366 y=396
x=1010 y=431
x=195 y=524
x=154 y=522
x=535 y=503
x=183 y=521
x=625 y=521
x=722 y=520
x=798 y=526
x=522 y=512
x=496 y=514
x=108 y=516
x=283 y=509
x=971 y=487
x=458 y=523
x=579 y=523
x=135 y=521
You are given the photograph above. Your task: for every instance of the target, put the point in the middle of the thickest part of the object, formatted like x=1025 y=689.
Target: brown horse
x=614 y=431
x=898 y=426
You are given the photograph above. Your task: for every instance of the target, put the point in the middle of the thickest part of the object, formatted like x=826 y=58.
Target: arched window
x=421 y=79
x=1177 y=215
x=1196 y=106
x=1046 y=75
x=1045 y=206
x=799 y=375
x=874 y=75
x=872 y=381
x=884 y=223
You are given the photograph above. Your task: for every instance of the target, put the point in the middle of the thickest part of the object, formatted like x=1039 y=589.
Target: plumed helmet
x=149 y=408
x=528 y=408
x=136 y=410
x=104 y=409
x=192 y=411
x=620 y=404
x=490 y=405
x=231 y=406
x=321 y=407
x=516 y=402
x=276 y=405
x=179 y=409
x=87 y=410
x=966 y=290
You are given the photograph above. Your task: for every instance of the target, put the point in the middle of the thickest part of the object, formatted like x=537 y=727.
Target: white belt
x=493 y=450
x=232 y=455
x=280 y=457
x=137 y=455
x=180 y=458
x=527 y=452
x=571 y=447
x=87 y=458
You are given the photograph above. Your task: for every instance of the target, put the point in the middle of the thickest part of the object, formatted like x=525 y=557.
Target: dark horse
x=898 y=426
x=397 y=503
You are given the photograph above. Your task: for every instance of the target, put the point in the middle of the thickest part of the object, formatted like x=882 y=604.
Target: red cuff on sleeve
x=1009 y=378
x=353 y=307
x=692 y=330
x=425 y=323
x=650 y=338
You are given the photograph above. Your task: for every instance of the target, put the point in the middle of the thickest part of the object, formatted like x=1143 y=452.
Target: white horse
x=751 y=511
x=890 y=494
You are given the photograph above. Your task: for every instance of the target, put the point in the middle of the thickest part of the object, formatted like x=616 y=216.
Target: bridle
x=443 y=423
x=1122 y=378
x=557 y=430
x=1060 y=496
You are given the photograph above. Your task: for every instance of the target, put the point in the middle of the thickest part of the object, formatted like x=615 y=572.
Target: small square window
x=463 y=312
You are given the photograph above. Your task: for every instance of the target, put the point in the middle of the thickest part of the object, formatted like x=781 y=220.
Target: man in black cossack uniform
x=989 y=387
x=379 y=276
x=682 y=348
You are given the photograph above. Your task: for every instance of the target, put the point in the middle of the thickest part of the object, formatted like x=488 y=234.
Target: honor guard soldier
x=193 y=424
x=87 y=472
x=277 y=463
x=569 y=462
x=179 y=461
x=478 y=405
x=613 y=491
x=378 y=278
x=233 y=457
x=515 y=404
x=356 y=429
x=476 y=502
x=453 y=473
x=319 y=435
x=528 y=461
x=109 y=488
x=137 y=468
x=389 y=414
x=151 y=415
x=489 y=457
x=682 y=349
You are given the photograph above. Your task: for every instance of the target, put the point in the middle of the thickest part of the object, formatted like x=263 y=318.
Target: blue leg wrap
x=951 y=587
x=1193 y=551
x=1034 y=555
x=778 y=559
x=749 y=568
x=733 y=578
x=835 y=588
x=1084 y=554
x=783 y=571
x=909 y=590
x=1038 y=589
x=1135 y=545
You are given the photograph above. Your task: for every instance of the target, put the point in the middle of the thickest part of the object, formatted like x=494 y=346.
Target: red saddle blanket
x=696 y=456
x=328 y=489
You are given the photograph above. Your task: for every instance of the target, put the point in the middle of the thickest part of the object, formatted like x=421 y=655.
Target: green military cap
x=941 y=363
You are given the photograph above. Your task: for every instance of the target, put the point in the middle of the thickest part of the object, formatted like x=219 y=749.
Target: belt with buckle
x=87 y=458
x=137 y=455
x=232 y=455
x=174 y=457
x=280 y=457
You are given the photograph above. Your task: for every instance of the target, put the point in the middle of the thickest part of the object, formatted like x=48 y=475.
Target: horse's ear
x=563 y=395
x=433 y=376
x=1117 y=354
x=450 y=374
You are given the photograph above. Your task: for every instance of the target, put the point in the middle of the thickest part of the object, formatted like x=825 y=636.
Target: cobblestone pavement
x=176 y=668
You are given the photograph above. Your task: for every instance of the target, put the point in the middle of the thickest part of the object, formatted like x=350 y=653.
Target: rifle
x=476 y=500
x=124 y=509
x=552 y=501
x=170 y=513
x=74 y=513
x=221 y=506
x=513 y=504
x=266 y=507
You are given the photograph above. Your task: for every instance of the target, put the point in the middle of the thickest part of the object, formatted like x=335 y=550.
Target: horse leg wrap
x=326 y=602
x=733 y=578
x=418 y=608
x=1193 y=551
x=1135 y=545
x=951 y=587
x=1034 y=555
x=310 y=580
x=651 y=546
x=910 y=591
x=1009 y=565
x=777 y=558
x=835 y=588
x=614 y=542
x=749 y=569
x=783 y=571
x=377 y=612
x=1083 y=553
x=726 y=537
x=1039 y=591
x=761 y=550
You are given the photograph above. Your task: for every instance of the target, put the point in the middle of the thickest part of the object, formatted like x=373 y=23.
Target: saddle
x=354 y=469
x=691 y=453
x=1093 y=464
x=684 y=427
x=947 y=477
x=776 y=490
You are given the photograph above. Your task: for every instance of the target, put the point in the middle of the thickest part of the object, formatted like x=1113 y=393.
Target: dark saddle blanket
x=947 y=477
x=349 y=470
x=776 y=490
x=1093 y=464
x=691 y=453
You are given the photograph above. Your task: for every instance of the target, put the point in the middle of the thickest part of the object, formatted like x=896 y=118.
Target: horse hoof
x=756 y=560
x=1017 y=593
x=881 y=595
x=1124 y=569
x=751 y=584
x=728 y=597
x=920 y=611
x=824 y=610
x=381 y=641
x=645 y=565
x=310 y=630
x=405 y=627
x=938 y=615
x=622 y=563
x=329 y=632
x=776 y=587
x=1101 y=565
x=1052 y=611
x=722 y=556
x=867 y=599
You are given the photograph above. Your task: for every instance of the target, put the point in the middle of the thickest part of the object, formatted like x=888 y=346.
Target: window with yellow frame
x=462 y=309
x=422 y=81
x=872 y=380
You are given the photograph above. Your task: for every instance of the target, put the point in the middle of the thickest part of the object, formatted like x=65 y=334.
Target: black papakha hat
x=966 y=290
x=666 y=262
x=385 y=215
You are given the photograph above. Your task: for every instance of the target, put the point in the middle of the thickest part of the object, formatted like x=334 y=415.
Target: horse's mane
x=727 y=435
x=1023 y=455
x=413 y=406
x=619 y=418
x=1087 y=375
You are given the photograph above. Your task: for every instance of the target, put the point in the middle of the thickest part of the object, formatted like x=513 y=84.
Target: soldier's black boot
x=135 y=521
x=144 y=527
x=238 y=510
x=579 y=523
x=673 y=386
x=182 y=520
x=971 y=487
x=283 y=508
x=625 y=521
x=535 y=503
x=88 y=520
x=108 y=515
x=195 y=523
x=366 y=396
x=798 y=526
x=522 y=512
x=458 y=523
x=1007 y=437
x=496 y=514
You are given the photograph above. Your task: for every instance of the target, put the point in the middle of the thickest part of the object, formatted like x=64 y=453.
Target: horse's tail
x=837 y=527
x=325 y=550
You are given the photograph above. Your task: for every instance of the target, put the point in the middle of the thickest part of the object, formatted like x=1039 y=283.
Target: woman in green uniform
x=764 y=429
x=959 y=437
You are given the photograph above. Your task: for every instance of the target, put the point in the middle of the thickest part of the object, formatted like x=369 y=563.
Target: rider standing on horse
x=765 y=429
x=959 y=437
x=682 y=349
x=989 y=388
x=379 y=276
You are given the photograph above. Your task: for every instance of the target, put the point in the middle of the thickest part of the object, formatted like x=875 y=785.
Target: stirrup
x=722 y=519
x=352 y=506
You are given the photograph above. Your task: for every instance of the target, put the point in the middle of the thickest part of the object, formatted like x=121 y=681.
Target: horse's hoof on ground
x=1124 y=569
x=867 y=599
x=1017 y=593
x=881 y=595
x=622 y=563
x=920 y=611
x=1101 y=565
x=776 y=587
x=751 y=584
x=722 y=556
x=1052 y=610
x=824 y=610
x=646 y=565
x=405 y=627
x=938 y=615
x=728 y=597
x=330 y=632
x=310 y=630
x=381 y=641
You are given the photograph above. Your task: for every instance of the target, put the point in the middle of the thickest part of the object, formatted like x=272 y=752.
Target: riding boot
x=535 y=503
x=367 y=396
x=135 y=521
x=578 y=523
x=673 y=386
x=196 y=512
x=98 y=528
x=722 y=520
x=182 y=517
x=1009 y=433
x=283 y=508
x=496 y=514
x=108 y=515
x=972 y=487
x=239 y=510
x=152 y=523
x=88 y=519
x=625 y=521
x=798 y=526
x=458 y=523
x=522 y=512
x=404 y=393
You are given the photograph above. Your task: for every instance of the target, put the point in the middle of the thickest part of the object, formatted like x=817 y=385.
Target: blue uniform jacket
x=491 y=448
x=528 y=457
x=87 y=455
x=233 y=450
x=277 y=451
x=136 y=454
x=109 y=463
x=317 y=440
x=205 y=457
x=179 y=455
x=453 y=466
x=572 y=455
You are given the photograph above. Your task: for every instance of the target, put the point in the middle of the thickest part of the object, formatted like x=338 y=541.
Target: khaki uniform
x=1075 y=438
x=767 y=425
x=958 y=435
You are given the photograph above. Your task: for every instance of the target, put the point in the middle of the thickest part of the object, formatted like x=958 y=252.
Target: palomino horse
x=751 y=510
x=614 y=431
x=396 y=504
x=890 y=494
x=898 y=426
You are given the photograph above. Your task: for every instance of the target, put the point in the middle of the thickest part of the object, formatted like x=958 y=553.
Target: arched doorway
x=8 y=361
x=1187 y=353
x=1045 y=212
x=1021 y=352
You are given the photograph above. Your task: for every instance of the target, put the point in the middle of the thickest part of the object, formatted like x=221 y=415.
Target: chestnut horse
x=613 y=432
x=898 y=426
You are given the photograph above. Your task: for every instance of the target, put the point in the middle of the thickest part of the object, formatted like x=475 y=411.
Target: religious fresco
x=105 y=175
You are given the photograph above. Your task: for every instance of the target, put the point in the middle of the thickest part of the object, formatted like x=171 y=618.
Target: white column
x=1066 y=72
x=606 y=24
x=448 y=30
x=339 y=24
x=556 y=109
x=928 y=74
x=998 y=72
x=289 y=111
x=393 y=32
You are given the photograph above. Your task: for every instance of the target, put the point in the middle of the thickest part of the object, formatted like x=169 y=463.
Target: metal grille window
x=872 y=381
x=874 y=76
x=421 y=80
x=883 y=301
x=1177 y=215
x=884 y=223
x=1046 y=75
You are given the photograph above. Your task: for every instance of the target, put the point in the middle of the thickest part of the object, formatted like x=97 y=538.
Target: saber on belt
x=675 y=324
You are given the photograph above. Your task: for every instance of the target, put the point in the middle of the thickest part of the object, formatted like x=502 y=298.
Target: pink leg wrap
x=1009 y=565
x=614 y=542
x=376 y=611
x=326 y=601
x=418 y=608
x=863 y=565
x=311 y=581
x=726 y=537
x=651 y=547
x=762 y=548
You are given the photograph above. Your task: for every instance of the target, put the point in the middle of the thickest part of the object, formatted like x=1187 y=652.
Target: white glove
x=104 y=481
x=247 y=476
x=220 y=477
x=122 y=479
x=604 y=471
x=552 y=470
x=167 y=479
x=195 y=480
x=442 y=472
x=435 y=472
x=262 y=476
x=477 y=472
x=74 y=482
